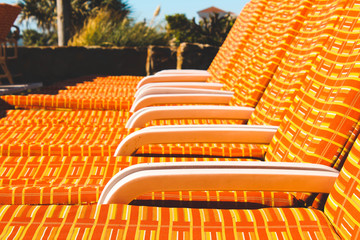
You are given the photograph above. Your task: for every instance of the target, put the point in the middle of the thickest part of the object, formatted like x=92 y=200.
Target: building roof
x=212 y=10
x=205 y=13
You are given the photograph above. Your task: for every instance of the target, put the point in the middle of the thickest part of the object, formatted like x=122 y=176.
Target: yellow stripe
x=33 y=211
x=298 y=217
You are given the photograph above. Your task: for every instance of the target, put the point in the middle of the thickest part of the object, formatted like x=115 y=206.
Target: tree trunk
x=63 y=20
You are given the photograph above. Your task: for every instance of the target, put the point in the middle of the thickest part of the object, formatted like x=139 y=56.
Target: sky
x=144 y=9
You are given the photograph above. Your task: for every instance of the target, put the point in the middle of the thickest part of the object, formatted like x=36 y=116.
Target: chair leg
x=7 y=73
x=3 y=59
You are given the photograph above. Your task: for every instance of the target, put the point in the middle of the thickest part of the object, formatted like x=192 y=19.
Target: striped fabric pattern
x=294 y=67
x=96 y=133
x=61 y=139
x=327 y=107
x=64 y=139
x=81 y=117
x=132 y=222
x=319 y=87
x=85 y=95
x=265 y=48
x=58 y=102
x=80 y=180
x=93 y=118
x=320 y=200
x=342 y=207
x=256 y=151
x=326 y=110
x=242 y=28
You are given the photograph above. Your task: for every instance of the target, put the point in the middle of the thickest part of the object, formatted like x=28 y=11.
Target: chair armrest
x=144 y=115
x=223 y=176
x=195 y=134
x=183 y=71
x=179 y=90
x=173 y=78
x=180 y=99
x=200 y=85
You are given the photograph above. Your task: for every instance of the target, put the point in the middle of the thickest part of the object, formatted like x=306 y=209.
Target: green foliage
x=105 y=23
x=106 y=29
x=137 y=34
x=179 y=28
x=82 y=9
x=211 y=31
x=33 y=38
x=44 y=11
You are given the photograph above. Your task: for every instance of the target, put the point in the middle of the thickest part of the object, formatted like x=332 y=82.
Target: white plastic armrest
x=173 y=78
x=141 y=117
x=179 y=90
x=180 y=99
x=223 y=176
x=201 y=85
x=251 y=134
x=183 y=71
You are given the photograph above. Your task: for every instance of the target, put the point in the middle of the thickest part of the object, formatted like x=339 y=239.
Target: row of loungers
x=262 y=145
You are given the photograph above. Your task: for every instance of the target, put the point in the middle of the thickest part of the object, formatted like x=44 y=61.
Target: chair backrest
x=295 y=65
x=326 y=109
x=343 y=204
x=242 y=27
x=8 y=14
x=321 y=122
x=253 y=65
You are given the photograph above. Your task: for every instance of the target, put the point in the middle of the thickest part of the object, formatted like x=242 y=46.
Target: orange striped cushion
x=242 y=28
x=254 y=65
x=58 y=101
x=81 y=117
x=342 y=206
x=80 y=180
x=327 y=107
x=294 y=67
x=132 y=222
x=64 y=139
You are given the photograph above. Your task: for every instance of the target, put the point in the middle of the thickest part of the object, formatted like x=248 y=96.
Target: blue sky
x=144 y=9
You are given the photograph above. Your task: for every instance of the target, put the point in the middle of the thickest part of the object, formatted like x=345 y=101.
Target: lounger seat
x=339 y=220
x=80 y=180
x=133 y=222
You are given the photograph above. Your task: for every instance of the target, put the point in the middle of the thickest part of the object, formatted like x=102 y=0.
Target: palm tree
x=44 y=12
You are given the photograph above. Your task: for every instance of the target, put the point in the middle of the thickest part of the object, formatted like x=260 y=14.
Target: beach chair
x=339 y=220
x=8 y=15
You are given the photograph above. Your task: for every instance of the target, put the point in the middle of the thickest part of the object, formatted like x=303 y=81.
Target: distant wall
x=195 y=56
x=52 y=64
